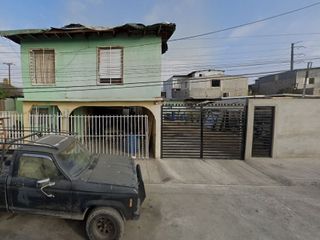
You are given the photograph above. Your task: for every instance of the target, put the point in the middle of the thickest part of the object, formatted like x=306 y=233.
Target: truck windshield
x=74 y=159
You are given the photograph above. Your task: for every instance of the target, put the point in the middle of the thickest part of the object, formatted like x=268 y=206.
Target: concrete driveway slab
x=289 y=171
x=195 y=171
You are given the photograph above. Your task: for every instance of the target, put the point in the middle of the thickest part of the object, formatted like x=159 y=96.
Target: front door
x=24 y=190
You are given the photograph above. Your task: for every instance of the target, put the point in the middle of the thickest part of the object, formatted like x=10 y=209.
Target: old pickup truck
x=55 y=175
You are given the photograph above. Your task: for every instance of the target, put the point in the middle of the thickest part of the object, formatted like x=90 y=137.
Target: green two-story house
x=93 y=70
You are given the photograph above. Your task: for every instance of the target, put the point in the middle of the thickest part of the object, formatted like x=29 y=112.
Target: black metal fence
x=214 y=130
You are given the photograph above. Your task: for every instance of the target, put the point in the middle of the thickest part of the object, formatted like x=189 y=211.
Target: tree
x=2 y=93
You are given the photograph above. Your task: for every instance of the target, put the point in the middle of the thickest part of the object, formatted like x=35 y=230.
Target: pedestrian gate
x=262 y=131
x=211 y=131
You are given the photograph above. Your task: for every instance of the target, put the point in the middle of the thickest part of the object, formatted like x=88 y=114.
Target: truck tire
x=104 y=224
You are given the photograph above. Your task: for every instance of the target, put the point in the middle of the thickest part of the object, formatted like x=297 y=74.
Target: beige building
x=205 y=84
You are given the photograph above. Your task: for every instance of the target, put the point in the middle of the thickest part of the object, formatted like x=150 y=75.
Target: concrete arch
x=153 y=111
x=88 y=109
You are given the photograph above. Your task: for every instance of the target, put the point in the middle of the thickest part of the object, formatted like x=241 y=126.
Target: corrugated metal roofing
x=164 y=30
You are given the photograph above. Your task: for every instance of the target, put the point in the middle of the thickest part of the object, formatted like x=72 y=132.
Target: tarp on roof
x=163 y=30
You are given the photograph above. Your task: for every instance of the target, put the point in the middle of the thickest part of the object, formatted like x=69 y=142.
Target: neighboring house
x=10 y=95
x=172 y=86
x=288 y=82
x=205 y=84
x=94 y=70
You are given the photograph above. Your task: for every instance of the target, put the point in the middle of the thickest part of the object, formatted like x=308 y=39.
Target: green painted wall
x=76 y=65
x=19 y=105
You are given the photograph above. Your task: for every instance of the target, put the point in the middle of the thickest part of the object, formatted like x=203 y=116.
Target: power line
x=234 y=27
x=150 y=72
x=154 y=72
x=261 y=36
x=143 y=84
x=247 y=24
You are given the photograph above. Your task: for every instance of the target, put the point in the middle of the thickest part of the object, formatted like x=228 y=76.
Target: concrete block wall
x=296 y=127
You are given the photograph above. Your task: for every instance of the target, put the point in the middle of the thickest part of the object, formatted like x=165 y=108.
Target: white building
x=205 y=84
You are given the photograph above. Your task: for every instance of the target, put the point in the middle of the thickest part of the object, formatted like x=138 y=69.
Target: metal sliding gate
x=211 y=131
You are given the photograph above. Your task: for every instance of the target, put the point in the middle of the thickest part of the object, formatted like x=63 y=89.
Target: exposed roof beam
x=69 y=35
x=32 y=36
x=20 y=37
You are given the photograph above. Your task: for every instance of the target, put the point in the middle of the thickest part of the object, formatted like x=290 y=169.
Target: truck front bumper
x=141 y=193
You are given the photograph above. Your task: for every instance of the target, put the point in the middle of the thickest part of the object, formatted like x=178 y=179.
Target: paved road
x=199 y=207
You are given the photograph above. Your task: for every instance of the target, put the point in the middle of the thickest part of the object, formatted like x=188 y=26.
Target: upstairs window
x=215 y=83
x=311 y=81
x=42 y=66
x=110 y=65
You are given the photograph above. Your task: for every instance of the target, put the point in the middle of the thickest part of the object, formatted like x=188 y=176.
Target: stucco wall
x=76 y=65
x=296 y=127
x=201 y=88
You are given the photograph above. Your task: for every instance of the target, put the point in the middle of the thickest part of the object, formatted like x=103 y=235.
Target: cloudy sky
x=253 y=49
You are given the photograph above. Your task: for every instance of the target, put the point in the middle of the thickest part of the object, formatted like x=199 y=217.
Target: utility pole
x=292 y=57
x=309 y=66
x=293 y=47
x=9 y=70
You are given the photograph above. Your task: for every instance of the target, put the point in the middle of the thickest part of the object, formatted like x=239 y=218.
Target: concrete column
x=27 y=106
x=156 y=111
x=158 y=138
x=65 y=110
x=249 y=134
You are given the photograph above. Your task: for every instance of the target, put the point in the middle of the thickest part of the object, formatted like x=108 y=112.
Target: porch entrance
x=119 y=134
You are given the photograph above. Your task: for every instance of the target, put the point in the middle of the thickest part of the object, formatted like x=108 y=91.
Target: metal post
x=161 y=136
x=306 y=78
x=201 y=132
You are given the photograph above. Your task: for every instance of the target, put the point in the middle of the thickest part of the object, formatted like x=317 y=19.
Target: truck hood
x=110 y=169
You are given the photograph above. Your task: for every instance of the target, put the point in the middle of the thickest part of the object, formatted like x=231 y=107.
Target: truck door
x=38 y=186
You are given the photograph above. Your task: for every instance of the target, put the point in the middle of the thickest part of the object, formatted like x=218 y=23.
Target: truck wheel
x=104 y=224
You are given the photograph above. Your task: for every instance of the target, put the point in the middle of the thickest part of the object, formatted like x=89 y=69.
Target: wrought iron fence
x=125 y=135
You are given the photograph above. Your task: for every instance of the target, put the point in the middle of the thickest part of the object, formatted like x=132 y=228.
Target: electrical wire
x=246 y=24
x=152 y=83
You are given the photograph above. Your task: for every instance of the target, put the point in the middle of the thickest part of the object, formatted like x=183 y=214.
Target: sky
x=254 y=49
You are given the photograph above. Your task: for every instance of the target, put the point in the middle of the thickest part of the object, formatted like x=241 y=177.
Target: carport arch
x=115 y=110
x=153 y=110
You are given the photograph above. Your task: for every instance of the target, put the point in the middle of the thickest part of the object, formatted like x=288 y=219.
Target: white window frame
x=32 y=70
x=98 y=66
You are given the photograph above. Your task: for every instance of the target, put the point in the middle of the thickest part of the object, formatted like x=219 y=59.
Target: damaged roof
x=163 y=30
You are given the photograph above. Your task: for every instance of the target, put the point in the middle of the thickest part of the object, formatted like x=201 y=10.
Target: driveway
x=194 y=199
